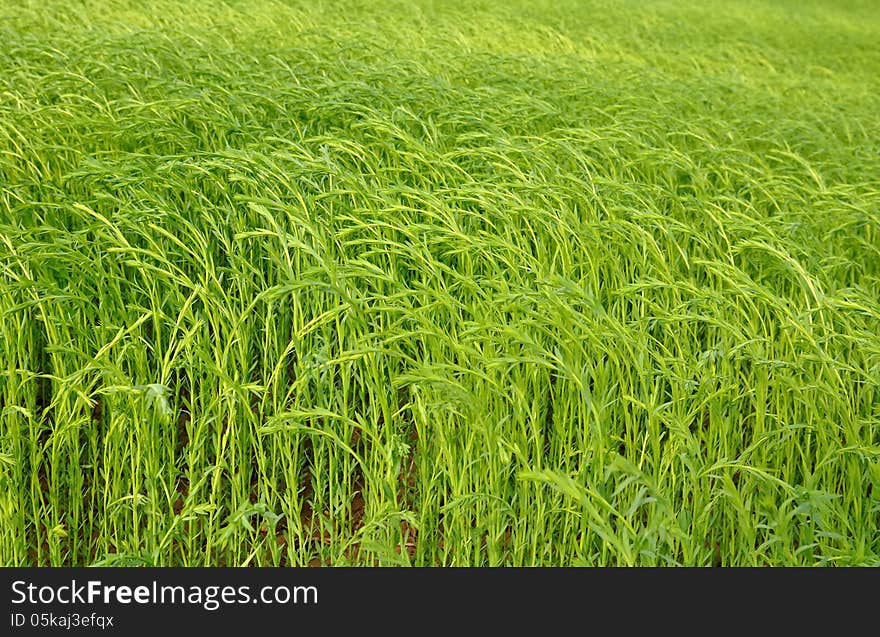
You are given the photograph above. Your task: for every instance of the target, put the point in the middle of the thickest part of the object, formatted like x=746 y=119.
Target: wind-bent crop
x=439 y=283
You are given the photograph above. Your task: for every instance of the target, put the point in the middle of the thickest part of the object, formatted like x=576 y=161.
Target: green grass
x=439 y=283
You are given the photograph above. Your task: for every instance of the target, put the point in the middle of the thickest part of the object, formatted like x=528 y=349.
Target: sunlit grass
x=420 y=283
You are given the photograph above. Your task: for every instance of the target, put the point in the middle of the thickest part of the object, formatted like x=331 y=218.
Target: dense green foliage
x=439 y=283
